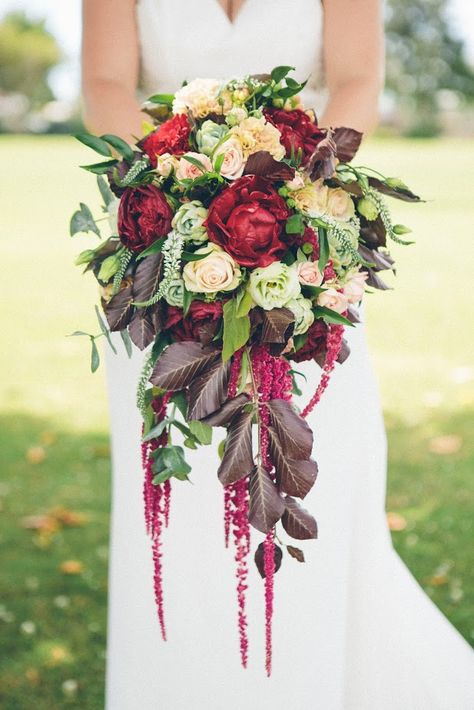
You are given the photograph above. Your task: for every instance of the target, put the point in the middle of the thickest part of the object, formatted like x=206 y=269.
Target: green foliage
x=236 y=329
x=28 y=52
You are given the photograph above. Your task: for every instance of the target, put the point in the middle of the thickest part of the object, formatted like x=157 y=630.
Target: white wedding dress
x=352 y=628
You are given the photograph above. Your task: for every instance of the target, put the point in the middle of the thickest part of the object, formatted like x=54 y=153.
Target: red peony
x=247 y=219
x=315 y=343
x=144 y=216
x=296 y=130
x=171 y=137
x=199 y=314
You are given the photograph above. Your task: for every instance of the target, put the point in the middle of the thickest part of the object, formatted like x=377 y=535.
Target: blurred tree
x=28 y=52
x=423 y=58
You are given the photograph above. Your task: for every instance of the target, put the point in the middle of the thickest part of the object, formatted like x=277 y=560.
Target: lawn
x=53 y=437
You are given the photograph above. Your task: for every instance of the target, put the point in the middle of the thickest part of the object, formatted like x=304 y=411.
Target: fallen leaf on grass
x=396 y=522
x=445 y=445
x=71 y=567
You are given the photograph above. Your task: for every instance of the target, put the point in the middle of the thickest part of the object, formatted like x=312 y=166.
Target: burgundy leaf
x=141 y=330
x=294 y=477
x=373 y=233
x=180 y=363
x=381 y=259
x=156 y=314
x=278 y=325
x=237 y=461
x=223 y=416
x=264 y=164
x=297 y=522
x=147 y=277
x=259 y=558
x=322 y=163
x=344 y=352
x=375 y=281
x=401 y=193
x=266 y=504
x=352 y=187
x=353 y=314
x=208 y=391
x=296 y=553
x=119 y=310
x=208 y=331
x=347 y=142
x=293 y=431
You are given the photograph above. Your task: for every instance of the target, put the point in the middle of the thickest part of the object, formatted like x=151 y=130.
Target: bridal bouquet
x=242 y=239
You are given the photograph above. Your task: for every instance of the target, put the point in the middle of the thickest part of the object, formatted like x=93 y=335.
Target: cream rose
x=233 y=164
x=312 y=198
x=189 y=171
x=215 y=272
x=200 y=97
x=256 y=134
x=165 y=163
x=330 y=298
x=340 y=204
x=309 y=273
x=354 y=288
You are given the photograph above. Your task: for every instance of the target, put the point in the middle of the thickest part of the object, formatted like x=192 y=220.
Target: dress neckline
x=222 y=11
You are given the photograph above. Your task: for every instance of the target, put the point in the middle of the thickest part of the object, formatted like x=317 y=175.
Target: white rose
x=215 y=272
x=233 y=163
x=165 y=163
x=340 y=204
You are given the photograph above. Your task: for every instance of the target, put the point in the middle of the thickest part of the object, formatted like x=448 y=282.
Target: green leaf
x=192 y=256
x=120 y=146
x=295 y=224
x=166 y=99
x=197 y=163
x=153 y=248
x=202 y=432
x=190 y=443
x=105 y=191
x=221 y=449
x=80 y=332
x=279 y=73
x=244 y=371
x=126 y=341
x=100 y=168
x=187 y=300
x=95 y=357
x=323 y=248
x=104 y=330
x=179 y=399
x=94 y=142
x=311 y=291
x=83 y=221
x=244 y=303
x=162 y=477
x=156 y=431
x=236 y=330
x=331 y=316
x=219 y=160
x=172 y=458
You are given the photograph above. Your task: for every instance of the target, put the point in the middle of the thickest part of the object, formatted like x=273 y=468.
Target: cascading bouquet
x=241 y=241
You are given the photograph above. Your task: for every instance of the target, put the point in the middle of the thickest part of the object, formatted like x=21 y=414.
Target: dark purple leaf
x=259 y=558
x=223 y=416
x=119 y=309
x=293 y=431
x=373 y=233
x=277 y=325
x=297 y=522
x=353 y=314
x=347 y=142
x=294 y=477
x=237 y=461
x=401 y=193
x=344 y=352
x=208 y=331
x=375 y=281
x=208 y=391
x=381 y=259
x=322 y=163
x=141 y=330
x=266 y=504
x=180 y=363
x=296 y=553
x=147 y=277
x=264 y=164
x=352 y=187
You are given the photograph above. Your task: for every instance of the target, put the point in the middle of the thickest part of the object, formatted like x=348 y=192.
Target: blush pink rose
x=333 y=299
x=189 y=171
x=309 y=273
x=354 y=288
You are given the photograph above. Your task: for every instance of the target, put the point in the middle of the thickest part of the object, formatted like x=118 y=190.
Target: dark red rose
x=315 y=343
x=200 y=313
x=171 y=137
x=247 y=220
x=143 y=217
x=297 y=130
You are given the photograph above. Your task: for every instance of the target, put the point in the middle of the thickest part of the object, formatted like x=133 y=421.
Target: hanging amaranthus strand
x=236 y=503
x=157 y=504
x=334 y=342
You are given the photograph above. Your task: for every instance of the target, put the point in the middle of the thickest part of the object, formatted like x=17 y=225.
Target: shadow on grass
x=54 y=570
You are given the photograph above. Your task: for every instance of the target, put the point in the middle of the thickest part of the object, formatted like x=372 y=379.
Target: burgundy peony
x=200 y=313
x=247 y=220
x=144 y=216
x=315 y=343
x=171 y=137
x=296 y=130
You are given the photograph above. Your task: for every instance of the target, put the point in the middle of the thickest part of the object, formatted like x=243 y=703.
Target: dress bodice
x=184 y=39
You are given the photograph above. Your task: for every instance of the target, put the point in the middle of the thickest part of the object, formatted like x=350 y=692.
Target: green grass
x=421 y=344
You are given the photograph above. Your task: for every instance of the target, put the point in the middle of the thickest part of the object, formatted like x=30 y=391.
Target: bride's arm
x=110 y=66
x=354 y=62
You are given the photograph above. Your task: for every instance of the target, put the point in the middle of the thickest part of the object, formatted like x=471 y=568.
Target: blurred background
x=54 y=488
